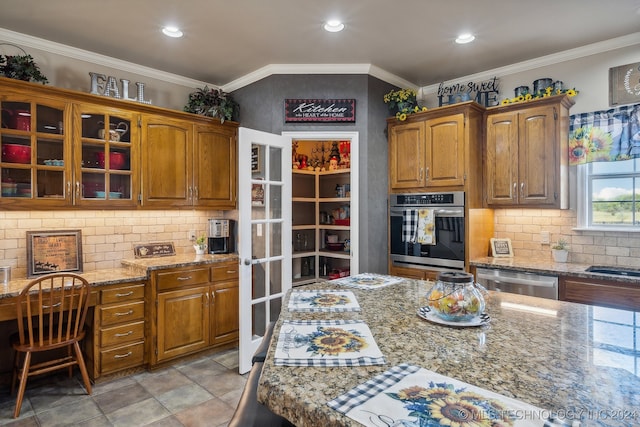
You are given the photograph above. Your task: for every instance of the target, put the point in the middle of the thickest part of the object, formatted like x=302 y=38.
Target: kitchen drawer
x=121 y=313
x=122 y=334
x=177 y=279
x=127 y=356
x=125 y=293
x=225 y=271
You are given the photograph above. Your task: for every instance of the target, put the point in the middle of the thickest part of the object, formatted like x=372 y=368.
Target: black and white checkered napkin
x=405 y=394
x=409 y=225
x=321 y=343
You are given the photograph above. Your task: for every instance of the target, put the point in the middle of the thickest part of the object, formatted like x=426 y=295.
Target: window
x=610 y=193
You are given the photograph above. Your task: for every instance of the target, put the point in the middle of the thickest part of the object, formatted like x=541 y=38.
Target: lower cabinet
x=117 y=341
x=413 y=273
x=195 y=308
x=607 y=293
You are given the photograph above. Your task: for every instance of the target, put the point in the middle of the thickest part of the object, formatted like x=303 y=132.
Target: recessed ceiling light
x=171 y=31
x=333 y=26
x=465 y=38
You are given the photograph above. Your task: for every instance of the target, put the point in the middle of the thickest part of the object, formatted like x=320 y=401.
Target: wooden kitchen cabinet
x=413 y=273
x=526 y=154
x=117 y=341
x=607 y=293
x=195 y=308
x=435 y=150
x=188 y=165
x=77 y=150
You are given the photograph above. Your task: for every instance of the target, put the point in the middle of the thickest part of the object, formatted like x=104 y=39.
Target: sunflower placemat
x=326 y=343
x=323 y=300
x=413 y=396
x=367 y=281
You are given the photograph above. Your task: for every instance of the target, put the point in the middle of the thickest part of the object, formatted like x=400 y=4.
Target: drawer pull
x=121 y=356
x=58 y=304
x=126 y=334
x=125 y=295
x=124 y=314
x=185 y=278
x=231 y=271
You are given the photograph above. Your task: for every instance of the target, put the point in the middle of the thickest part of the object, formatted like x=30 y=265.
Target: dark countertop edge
x=543 y=266
x=132 y=270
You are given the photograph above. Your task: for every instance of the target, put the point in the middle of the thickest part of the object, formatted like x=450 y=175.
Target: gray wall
x=262 y=108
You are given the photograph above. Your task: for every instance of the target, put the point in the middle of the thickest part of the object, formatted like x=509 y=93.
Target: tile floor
x=197 y=392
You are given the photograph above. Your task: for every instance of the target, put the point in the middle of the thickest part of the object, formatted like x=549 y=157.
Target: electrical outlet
x=545 y=237
x=192 y=235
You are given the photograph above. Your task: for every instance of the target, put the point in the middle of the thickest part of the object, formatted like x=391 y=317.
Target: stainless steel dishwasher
x=518 y=282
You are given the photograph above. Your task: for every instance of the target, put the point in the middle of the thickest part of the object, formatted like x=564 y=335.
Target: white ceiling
x=226 y=40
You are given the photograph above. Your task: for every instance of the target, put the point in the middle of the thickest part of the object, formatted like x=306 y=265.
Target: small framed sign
x=501 y=248
x=53 y=252
x=255 y=158
x=624 y=84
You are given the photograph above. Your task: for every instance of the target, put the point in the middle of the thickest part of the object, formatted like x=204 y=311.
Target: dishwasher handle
x=535 y=280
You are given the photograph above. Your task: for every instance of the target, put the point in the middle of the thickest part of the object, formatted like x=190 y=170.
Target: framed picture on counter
x=54 y=252
x=501 y=248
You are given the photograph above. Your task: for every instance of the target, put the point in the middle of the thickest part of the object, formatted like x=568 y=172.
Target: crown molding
x=24 y=40
x=567 y=55
x=272 y=69
x=266 y=71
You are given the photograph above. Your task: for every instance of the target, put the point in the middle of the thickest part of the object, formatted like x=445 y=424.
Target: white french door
x=264 y=234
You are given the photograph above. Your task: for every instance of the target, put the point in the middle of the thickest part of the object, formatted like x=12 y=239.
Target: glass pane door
x=265 y=227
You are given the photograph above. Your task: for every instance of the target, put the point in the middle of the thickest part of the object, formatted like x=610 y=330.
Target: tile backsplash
x=524 y=227
x=108 y=236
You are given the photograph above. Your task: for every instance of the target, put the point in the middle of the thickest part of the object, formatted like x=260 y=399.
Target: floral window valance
x=605 y=136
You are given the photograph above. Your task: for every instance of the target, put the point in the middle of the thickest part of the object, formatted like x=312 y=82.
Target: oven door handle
x=437 y=212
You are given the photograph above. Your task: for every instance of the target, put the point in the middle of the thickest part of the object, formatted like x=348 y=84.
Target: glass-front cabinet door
x=105 y=157
x=36 y=152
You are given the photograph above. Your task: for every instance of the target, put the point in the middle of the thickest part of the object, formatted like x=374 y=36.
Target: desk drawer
x=127 y=356
x=177 y=279
x=226 y=271
x=125 y=293
x=118 y=335
x=121 y=313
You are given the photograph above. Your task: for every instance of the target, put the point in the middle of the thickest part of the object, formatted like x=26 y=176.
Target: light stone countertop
x=132 y=270
x=560 y=360
x=548 y=266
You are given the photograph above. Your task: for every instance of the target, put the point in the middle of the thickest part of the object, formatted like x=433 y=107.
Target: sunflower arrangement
x=542 y=94
x=403 y=102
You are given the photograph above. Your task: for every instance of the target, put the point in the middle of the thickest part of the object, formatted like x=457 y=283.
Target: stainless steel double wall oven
x=448 y=252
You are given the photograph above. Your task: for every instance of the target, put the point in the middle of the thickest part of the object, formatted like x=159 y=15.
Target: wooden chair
x=51 y=313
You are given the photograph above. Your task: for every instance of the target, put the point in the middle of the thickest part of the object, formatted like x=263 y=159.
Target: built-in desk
x=559 y=356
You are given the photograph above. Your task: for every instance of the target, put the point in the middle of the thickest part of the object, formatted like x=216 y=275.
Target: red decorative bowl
x=335 y=246
x=15 y=153
x=116 y=160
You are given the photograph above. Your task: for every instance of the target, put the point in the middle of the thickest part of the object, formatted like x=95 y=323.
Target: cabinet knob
x=196 y=193
x=522 y=189
x=426 y=175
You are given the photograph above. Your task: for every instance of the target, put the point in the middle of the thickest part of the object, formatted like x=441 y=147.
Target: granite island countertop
x=579 y=361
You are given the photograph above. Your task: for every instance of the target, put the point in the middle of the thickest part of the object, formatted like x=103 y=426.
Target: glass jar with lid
x=455 y=297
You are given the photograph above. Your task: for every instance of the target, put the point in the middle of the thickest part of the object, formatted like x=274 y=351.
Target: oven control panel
x=455 y=198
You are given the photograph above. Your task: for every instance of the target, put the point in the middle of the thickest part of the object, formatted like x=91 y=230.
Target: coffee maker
x=222 y=236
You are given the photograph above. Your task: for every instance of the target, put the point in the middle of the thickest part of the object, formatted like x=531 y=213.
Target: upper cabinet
x=69 y=149
x=526 y=154
x=188 y=165
x=437 y=150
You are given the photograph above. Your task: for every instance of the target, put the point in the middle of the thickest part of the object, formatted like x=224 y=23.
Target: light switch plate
x=545 y=237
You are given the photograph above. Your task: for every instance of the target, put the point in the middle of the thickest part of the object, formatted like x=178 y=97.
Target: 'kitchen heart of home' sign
x=319 y=110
